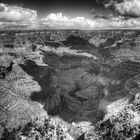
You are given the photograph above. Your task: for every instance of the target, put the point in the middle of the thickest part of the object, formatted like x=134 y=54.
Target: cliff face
x=71 y=76
x=72 y=90
x=16 y=108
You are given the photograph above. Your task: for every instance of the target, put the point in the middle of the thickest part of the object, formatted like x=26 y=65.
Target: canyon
x=73 y=76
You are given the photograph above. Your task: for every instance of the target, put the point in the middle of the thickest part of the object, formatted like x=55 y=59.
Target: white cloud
x=129 y=7
x=58 y=20
x=16 y=14
x=124 y=7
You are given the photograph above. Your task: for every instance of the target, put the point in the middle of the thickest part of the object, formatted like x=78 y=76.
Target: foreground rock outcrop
x=122 y=125
x=40 y=129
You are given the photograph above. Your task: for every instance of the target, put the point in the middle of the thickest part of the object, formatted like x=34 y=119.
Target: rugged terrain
x=77 y=77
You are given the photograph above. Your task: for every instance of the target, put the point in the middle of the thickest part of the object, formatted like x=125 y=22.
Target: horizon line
x=96 y=29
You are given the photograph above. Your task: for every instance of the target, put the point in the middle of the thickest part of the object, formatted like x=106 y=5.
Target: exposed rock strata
x=16 y=108
x=73 y=77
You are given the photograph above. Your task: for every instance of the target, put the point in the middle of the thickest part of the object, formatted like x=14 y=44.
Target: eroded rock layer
x=76 y=76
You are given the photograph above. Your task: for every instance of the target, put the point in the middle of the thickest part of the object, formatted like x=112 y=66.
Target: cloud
x=2 y=8
x=59 y=20
x=16 y=14
x=101 y=12
x=19 y=17
x=124 y=7
x=95 y=14
x=129 y=8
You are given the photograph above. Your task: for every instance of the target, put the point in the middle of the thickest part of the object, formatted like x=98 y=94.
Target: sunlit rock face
x=16 y=108
x=77 y=76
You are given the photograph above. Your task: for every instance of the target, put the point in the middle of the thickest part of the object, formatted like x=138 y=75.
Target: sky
x=71 y=8
x=70 y=14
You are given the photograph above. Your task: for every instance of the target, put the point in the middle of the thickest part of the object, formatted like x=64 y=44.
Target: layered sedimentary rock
x=71 y=75
x=16 y=108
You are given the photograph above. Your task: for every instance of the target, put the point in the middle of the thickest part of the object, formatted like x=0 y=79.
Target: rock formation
x=70 y=76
